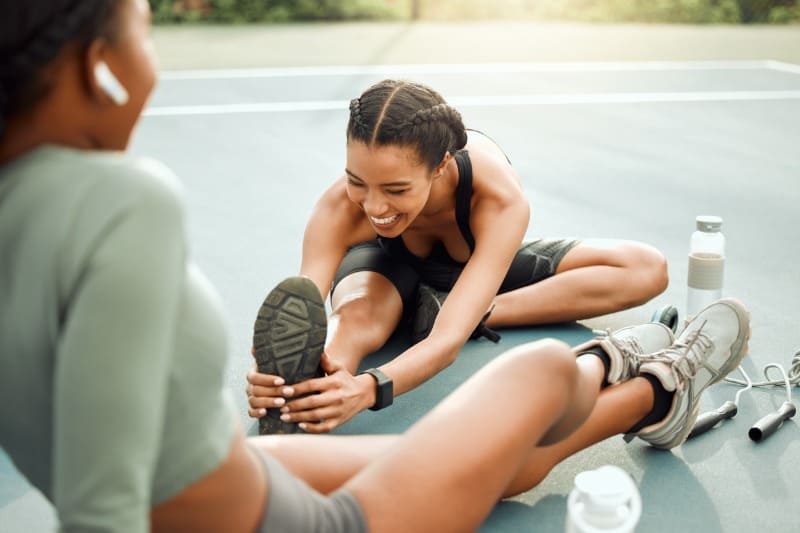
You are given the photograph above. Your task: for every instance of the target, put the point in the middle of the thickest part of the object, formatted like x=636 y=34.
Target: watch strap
x=384 y=389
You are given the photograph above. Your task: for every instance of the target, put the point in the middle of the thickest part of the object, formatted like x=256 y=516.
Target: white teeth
x=384 y=221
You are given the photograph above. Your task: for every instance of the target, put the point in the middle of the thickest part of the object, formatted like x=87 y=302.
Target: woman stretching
x=426 y=211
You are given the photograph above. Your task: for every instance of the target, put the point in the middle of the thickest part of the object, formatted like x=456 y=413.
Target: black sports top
x=439 y=270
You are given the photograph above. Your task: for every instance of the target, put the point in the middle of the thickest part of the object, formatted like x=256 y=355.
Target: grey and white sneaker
x=429 y=302
x=710 y=346
x=625 y=347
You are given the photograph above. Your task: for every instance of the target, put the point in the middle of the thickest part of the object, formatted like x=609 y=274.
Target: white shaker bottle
x=605 y=500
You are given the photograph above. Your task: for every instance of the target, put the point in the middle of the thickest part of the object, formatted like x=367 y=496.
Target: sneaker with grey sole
x=429 y=302
x=625 y=346
x=710 y=346
x=289 y=337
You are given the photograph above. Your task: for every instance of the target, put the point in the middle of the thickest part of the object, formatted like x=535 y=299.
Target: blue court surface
x=606 y=151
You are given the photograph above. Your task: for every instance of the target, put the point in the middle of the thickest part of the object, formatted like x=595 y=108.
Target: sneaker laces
x=683 y=358
x=629 y=347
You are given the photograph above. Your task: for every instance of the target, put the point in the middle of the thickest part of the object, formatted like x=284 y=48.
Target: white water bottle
x=605 y=500
x=706 y=264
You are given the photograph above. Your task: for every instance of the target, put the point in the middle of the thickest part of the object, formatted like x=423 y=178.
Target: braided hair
x=32 y=33
x=393 y=112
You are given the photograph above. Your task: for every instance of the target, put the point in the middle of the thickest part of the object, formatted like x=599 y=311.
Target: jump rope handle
x=771 y=422
x=710 y=419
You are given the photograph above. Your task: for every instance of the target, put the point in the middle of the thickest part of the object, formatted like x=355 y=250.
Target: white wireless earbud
x=110 y=84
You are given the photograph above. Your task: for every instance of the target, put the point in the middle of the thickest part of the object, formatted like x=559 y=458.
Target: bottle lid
x=605 y=499
x=709 y=223
x=607 y=487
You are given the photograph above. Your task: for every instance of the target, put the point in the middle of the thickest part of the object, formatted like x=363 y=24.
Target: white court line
x=467 y=68
x=784 y=67
x=486 y=101
x=262 y=107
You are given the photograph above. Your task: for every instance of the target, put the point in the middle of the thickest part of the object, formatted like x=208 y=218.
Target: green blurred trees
x=234 y=11
x=767 y=10
x=676 y=11
x=679 y=11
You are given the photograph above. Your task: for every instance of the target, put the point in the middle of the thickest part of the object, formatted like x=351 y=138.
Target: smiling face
x=389 y=183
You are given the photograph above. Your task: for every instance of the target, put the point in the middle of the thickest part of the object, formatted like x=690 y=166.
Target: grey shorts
x=294 y=507
x=535 y=261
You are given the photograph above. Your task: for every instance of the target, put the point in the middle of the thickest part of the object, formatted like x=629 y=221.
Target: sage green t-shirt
x=112 y=346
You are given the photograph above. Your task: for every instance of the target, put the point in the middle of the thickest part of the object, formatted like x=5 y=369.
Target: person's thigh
x=369 y=271
x=616 y=253
x=538 y=260
x=368 y=300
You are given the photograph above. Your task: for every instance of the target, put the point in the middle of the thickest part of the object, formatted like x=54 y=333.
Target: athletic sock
x=603 y=356
x=662 y=402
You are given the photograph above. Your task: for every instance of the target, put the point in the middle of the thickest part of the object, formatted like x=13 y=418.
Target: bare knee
x=653 y=273
x=647 y=274
x=550 y=361
x=354 y=309
x=362 y=314
x=558 y=362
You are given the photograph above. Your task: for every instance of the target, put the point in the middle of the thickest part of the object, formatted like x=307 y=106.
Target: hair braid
x=443 y=113
x=357 y=119
x=394 y=112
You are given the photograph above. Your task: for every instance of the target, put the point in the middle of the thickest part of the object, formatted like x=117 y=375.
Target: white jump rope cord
x=792 y=379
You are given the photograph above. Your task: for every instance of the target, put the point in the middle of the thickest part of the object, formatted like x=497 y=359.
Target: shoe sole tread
x=289 y=338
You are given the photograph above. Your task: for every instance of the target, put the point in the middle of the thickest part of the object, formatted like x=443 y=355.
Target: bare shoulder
x=336 y=205
x=336 y=215
x=492 y=174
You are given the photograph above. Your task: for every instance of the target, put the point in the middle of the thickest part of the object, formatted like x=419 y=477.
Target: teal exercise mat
x=411 y=406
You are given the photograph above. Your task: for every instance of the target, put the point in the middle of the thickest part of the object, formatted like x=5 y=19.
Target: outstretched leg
x=338 y=458
x=366 y=310
x=590 y=280
x=492 y=436
x=471 y=447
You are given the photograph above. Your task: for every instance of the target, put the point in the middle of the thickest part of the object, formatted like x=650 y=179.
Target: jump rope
x=766 y=425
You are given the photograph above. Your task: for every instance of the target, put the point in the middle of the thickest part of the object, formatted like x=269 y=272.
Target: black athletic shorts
x=536 y=260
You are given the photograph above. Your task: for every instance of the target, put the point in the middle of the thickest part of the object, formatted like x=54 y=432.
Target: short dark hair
x=394 y=112
x=32 y=33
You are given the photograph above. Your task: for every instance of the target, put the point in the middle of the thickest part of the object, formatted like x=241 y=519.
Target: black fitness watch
x=384 y=389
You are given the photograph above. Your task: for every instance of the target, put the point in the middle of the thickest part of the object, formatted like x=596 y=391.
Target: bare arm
x=114 y=357
x=335 y=225
x=500 y=217
x=499 y=221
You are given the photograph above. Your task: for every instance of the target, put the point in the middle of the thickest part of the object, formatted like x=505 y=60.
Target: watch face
x=384 y=389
